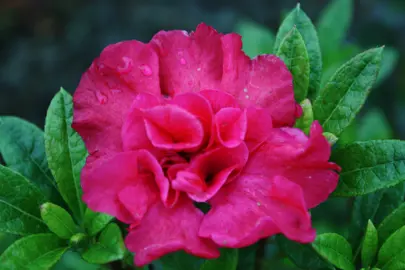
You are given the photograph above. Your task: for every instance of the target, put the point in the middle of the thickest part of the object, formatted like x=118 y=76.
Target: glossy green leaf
x=73 y=261
x=392 y=198
x=95 y=222
x=392 y=223
x=333 y=24
x=370 y=245
x=334 y=248
x=178 y=261
x=228 y=260
x=256 y=38
x=294 y=54
x=247 y=257
x=109 y=247
x=6 y=239
x=392 y=253
x=23 y=150
x=369 y=166
x=303 y=256
x=305 y=121
x=65 y=151
x=332 y=139
x=374 y=126
x=19 y=204
x=35 y=252
x=345 y=93
x=389 y=61
x=298 y=18
x=58 y=220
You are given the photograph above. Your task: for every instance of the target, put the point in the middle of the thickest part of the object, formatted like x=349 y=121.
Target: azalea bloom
x=186 y=120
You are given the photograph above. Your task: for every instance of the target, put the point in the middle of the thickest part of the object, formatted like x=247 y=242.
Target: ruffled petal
x=165 y=230
x=124 y=185
x=254 y=207
x=231 y=125
x=107 y=89
x=290 y=153
x=209 y=171
x=264 y=81
x=259 y=127
x=189 y=63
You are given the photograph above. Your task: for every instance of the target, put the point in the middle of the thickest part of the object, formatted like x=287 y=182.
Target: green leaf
x=256 y=38
x=298 y=18
x=109 y=247
x=389 y=62
x=334 y=248
x=345 y=93
x=58 y=220
x=36 y=252
x=303 y=256
x=6 y=240
x=369 y=166
x=333 y=25
x=392 y=198
x=178 y=261
x=294 y=54
x=95 y=222
x=370 y=245
x=305 y=121
x=392 y=223
x=332 y=139
x=228 y=260
x=72 y=261
x=23 y=150
x=247 y=257
x=391 y=255
x=374 y=126
x=19 y=204
x=65 y=151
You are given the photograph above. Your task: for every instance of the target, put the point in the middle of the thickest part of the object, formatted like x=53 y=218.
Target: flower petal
x=259 y=127
x=231 y=125
x=189 y=63
x=106 y=90
x=173 y=128
x=264 y=81
x=165 y=230
x=254 y=207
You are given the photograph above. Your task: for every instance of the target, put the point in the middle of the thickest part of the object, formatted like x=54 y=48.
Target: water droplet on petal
x=199 y=69
x=245 y=90
x=183 y=61
x=127 y=67
x=258 y=204
x=102 y=99
x=247 y=96
x=116 y=91
x=146 y=70
x=185 y=33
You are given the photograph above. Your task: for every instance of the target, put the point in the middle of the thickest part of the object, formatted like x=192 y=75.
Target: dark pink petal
x=254 y=207
x=231 y=125
x=173 y=128
x=264 y=81
x=288 y=152
x=108 y=184
x=219 y=99
x=259 y=127
x=209 y=171
x=189 y=63
x=164 y=230
x=106 y=91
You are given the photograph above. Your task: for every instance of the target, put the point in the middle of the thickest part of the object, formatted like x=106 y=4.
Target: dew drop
x=183 y=61
x=258 y=204
x=115 y=91
x=102 y=99
x=199 y=69
x=245 y=90
x=127 y=65
x=146 y=70
x=185 y=33
x=247 y=96
x=309 y=177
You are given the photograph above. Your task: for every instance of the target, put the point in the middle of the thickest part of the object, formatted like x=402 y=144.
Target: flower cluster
x=189 y=122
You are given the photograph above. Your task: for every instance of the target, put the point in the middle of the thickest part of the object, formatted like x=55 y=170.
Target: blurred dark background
x=46 y=44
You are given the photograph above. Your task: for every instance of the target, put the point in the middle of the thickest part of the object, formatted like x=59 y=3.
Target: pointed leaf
x=298 y=18
x=95 y=222
x=392 y=223
x=109 y=247
x=392 y=253
x=23 y=150
x=19 y=204
x=294 y=54
x=38 y=251
x=303 y=256
x=369 y=166
x=345 y=93
x=305 y=121
x=333 y=25
x=256 y=38
x=228 y=260
x=58 y=220
x=334 y=248
x=370 y=245
x=65 y=151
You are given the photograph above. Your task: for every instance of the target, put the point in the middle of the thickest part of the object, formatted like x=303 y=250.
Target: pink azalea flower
x=189 y=118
